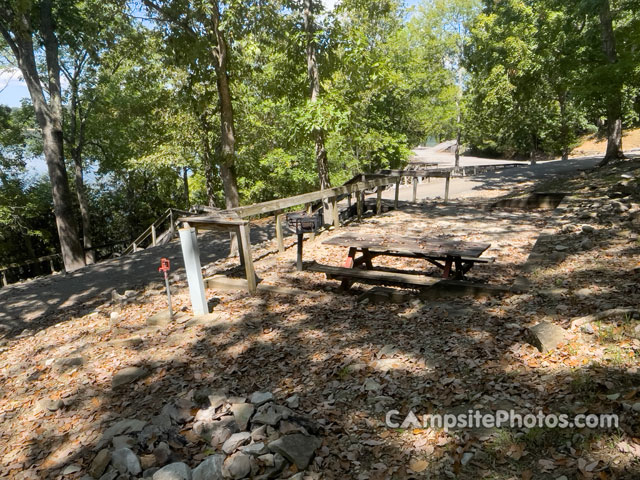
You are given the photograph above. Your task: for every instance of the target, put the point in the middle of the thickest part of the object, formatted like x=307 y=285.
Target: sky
x=13 y=89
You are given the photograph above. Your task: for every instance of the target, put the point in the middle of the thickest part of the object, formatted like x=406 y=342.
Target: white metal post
x=191 y=256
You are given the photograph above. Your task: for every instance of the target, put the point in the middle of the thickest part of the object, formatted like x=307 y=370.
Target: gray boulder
x=173 y=471
x=209 y=469
x=237 y=466
x=546 y=336
x=128 y=375
x=296 y=448
x=235 y=441
x=125 y=461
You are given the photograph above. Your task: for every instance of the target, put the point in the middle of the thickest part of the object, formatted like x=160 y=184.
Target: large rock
x=242 y=414
x=271 y=414
x=128 y=375
x=209 y=469
x=100 y=463
x=237 y=466
x=160 y=319
x=258 y=398
x=173 y=471
x=217 y=431
x=125 y=461
x=235 y=441
x=296 y=448
x=546 y=336
x=67 y=363
x=129 y=425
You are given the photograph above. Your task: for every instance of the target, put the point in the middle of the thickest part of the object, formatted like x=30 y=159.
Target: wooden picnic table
x=454 y=257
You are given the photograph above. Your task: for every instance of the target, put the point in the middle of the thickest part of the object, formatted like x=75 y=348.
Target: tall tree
x=309 y=9
x=614 y=93
x=24 y=25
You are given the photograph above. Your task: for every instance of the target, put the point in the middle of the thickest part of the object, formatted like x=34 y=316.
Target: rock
x=370 y=385
x=584 y=292
x=130 y=293
x=173 y=471
x=122 y=441
x=237 y=466
x=147 y=462
x=130 y=425
x=128 y=342
x=114 y=318
x=217 y=399
x=255 y=449
x=287 y=427
x=259 y=433
x=71 y=469
x=162 y=453
x=234 y=441
x=561 y=248
x=242 y=414
x=297 y=448
x=267 y=459
x=63 y=364
x=160 y=319
x=125 y=461
x=116 y=297
x=216 y=431
x=466 y=458
x=588 y=328
x=546 y=336
x=588 y=229
x=293 y=401
x=209 y=469
x=99 y=463
x=162 y=421
x=271 y=414
x=128 y=375
x=50 y=404
x=110 y=474
x=636 y=407
x=149 y=434
x=148 y=473
x=586 y=244
x=258 y=398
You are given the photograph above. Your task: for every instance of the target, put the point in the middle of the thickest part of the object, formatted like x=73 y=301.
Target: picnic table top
x=435 y=247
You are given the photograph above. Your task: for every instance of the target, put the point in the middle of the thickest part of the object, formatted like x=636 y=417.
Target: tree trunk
x=614 y=94
x=227 y=151
x=314 y=81
x=17 y=32
x=185 y=186
x=322 y=163
x=564 y=126
x=90 y=254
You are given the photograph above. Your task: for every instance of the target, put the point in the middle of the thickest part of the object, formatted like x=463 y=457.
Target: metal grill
x=303 y=222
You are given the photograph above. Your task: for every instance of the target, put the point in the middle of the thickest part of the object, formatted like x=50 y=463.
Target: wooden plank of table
x=423 y=246
x=373 y=276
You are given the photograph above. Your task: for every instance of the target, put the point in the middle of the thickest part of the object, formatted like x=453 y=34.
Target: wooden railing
x=150 y=236
x=12 y=266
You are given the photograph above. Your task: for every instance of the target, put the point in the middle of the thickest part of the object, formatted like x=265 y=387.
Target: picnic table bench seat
x=374 y=277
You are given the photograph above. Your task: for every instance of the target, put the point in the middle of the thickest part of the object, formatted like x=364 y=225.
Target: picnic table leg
x=299 y=257
x=459 y=269
x=447 y=267
x=349 y=263
x=367 y=258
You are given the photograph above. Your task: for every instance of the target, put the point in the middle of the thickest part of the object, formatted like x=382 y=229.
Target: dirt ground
x=591 y=145
x=350 y=362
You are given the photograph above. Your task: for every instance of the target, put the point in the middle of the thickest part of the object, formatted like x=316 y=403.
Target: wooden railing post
x=359 y=205
x=446 y=188
x=279 y=234
x=335 y=212
x=172 y=226
x=379 y=201
x=395 y=202
x=4 y=278
x=153 y=235
x=415 y=189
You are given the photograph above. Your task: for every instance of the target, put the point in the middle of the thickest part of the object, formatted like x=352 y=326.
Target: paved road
x=26 y=305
